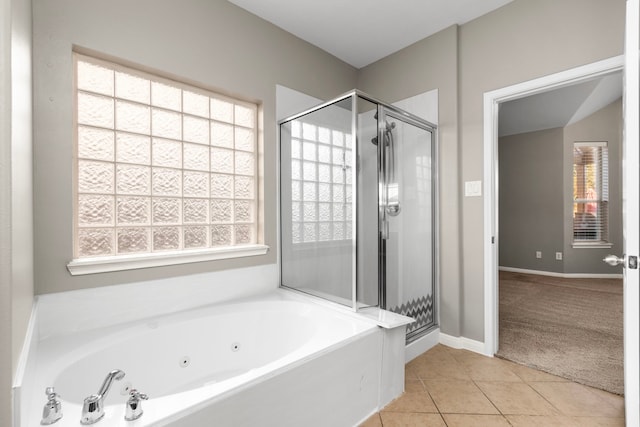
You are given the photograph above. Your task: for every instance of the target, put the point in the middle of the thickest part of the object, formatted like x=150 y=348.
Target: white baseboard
x=562 y=275
x=422 y=344
x=463 y=343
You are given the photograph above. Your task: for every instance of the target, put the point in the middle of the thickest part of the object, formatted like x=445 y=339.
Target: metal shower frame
x=383 y=110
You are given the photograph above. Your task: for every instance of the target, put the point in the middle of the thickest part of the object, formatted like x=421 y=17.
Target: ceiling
x=360 y=32
x=559 y=107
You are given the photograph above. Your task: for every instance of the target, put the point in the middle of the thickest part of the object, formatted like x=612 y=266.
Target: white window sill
x=591 y=245
x=105 y=264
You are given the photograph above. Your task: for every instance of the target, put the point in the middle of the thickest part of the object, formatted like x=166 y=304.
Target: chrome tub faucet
x=93 y=407
x=52 y=410
x=133 y=410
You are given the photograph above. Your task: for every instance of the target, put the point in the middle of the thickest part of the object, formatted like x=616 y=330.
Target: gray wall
x=521 y=41
x=16 y=220
x=604 y=125
x=531 y=199
x=211 y=43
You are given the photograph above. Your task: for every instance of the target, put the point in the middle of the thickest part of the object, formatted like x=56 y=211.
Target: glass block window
x=320 y=183
x=160 y=165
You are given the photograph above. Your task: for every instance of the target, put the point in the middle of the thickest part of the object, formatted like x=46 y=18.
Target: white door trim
x=630 y=212
x=492 y=100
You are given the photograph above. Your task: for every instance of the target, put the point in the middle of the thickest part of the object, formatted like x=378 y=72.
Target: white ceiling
x=559 y=107
x=363 y=31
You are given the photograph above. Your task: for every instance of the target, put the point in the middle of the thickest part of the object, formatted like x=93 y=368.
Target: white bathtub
x=279 y=359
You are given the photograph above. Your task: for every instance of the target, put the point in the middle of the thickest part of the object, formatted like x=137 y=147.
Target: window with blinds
x=590 y=193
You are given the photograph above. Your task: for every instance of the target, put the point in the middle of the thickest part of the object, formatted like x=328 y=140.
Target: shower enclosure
x=358 y=207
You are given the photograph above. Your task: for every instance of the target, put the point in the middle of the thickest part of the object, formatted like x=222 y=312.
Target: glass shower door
x=407 y=227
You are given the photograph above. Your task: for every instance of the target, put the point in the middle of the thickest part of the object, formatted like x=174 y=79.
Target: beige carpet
x=567 y=327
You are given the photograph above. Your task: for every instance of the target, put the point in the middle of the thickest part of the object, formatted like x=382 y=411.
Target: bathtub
x=277 y=359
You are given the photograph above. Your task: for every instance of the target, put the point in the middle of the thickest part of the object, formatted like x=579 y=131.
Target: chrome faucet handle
x=133 y=411
x=52 y=410
x=93 y=406
x=92 y=410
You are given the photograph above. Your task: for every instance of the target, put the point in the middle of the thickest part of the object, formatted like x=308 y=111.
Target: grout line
x=488 y=398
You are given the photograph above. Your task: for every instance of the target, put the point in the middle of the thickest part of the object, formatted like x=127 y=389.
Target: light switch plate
x=472 y=188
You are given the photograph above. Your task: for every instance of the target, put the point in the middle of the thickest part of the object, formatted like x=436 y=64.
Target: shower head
x=387 y=131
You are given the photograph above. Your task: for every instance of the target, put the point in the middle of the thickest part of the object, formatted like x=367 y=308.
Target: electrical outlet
x=559 y=256
x=538 y=254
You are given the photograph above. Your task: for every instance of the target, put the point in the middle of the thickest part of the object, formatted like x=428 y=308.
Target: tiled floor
x=458 y=388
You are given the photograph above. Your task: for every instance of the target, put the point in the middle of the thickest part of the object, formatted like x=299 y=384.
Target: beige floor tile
x=372 y=421
x=442 y=369
x=575 y=400
x=563 y=421
x=529 y=374
x=398 y=419
x=516 y=398
x=466 y=420
x=466 y=355
x=438 y=354
x=413 y=386
x=598 y=422
x=459 y=397
x=526 y=397
x=410 y=373
x=412 y=402
x=612 y=399
x=440 y=351
x=484 y=368
x=539 y=421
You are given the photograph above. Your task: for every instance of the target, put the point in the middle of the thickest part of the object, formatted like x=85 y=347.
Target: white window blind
x=590 y=192
x=160 y=165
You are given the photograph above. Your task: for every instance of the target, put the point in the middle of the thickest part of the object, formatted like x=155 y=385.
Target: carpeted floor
x=567 y=327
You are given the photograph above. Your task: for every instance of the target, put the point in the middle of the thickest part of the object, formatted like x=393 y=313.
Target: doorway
x=560 y=307
x=492 y=101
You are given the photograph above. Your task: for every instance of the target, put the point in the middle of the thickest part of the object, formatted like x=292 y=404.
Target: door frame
x=492 y=101
x=630 y=212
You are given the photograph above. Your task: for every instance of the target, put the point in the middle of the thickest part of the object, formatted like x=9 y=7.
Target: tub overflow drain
x=235 y=346
x=184 y=361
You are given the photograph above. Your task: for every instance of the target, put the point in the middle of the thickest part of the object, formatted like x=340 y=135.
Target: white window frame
x=600 y=240
x=117 y=262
